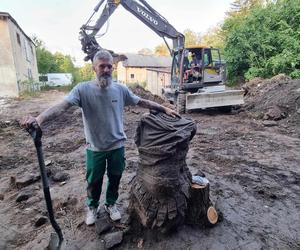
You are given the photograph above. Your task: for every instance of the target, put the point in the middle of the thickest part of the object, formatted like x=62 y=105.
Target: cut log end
x=212 y=215
x=197 y=186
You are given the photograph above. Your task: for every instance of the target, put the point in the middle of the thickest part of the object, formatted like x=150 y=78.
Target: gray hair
x=102 y=55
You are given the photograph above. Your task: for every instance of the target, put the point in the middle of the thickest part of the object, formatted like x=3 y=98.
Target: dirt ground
x=250 y=156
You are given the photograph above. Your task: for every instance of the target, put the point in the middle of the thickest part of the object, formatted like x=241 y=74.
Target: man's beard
x=104 y=81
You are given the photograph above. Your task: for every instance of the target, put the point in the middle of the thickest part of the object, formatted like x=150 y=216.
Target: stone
x=126 y=219
x=12 y=181
x=33 y=200
x=24 y=195
x=48 y=162
x=113 y=239
x=274 y=113
x=26 y=180
x=41 y=221
x=95 y=244
x=270 y=123
x=1 y=197
x=102 y=222
x=60 y=177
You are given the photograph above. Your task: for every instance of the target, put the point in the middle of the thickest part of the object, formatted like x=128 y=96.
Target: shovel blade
x=54 y=243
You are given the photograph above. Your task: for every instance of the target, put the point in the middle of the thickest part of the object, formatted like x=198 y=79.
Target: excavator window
x=216 y=60
x=207 y=58
x=175 y=74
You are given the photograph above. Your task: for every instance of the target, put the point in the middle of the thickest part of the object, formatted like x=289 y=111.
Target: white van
x=59 y=79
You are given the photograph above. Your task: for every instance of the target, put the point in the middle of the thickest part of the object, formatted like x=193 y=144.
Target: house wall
x=19 y=61
x=121 y=73
x=131 y=74
x=24 y=55
x=8 y=78
x=157 y=80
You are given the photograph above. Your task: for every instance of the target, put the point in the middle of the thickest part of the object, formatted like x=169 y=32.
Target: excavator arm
x=140 y=9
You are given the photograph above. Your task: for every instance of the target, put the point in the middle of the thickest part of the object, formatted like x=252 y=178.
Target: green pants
x=96 y=164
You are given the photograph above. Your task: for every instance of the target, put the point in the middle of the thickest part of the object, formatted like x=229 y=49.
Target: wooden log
x=200 y=210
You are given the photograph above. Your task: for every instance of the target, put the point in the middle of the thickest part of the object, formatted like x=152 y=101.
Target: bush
x=265 y=42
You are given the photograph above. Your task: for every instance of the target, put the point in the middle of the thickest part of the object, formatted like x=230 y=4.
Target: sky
x=57 y=22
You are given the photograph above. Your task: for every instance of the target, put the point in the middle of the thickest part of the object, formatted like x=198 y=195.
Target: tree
x=161 y=50
x=214 y=37
x=265 y=42
x=64 y=63
x=145 y=51
x=86 y=73
x=191 y=38
x=242 y=7
x=45 y=59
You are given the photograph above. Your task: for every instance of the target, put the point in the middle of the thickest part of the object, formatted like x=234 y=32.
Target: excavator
x=197 y=73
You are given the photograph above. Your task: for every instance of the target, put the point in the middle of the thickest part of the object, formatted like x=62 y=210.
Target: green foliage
x=192 y=38
x=243 y=7
x=60 y=63
x=86 y=73
x=64 y=63
x=265 y=42
x=161 y=50
x=214 y=37
x=45 y=61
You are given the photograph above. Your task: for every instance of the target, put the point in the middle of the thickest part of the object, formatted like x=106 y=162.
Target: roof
x=5 y=14
x=197 y=47
x=136 y=60
x=161 y=70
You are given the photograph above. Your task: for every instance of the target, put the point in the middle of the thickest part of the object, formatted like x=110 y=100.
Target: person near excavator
x=102 y=102
x=194 y=62
x=193 y=72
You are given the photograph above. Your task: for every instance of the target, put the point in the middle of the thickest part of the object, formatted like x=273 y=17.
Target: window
x=175 y=77
x=29 y=74
x=26 y=49
x=18 y=39
x=207 y=57
x=132 y=76
x=215 y=56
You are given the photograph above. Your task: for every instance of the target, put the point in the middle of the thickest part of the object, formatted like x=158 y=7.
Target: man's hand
x=155 y=106
x=171 y=112
x=47 y=115
x=27 y=121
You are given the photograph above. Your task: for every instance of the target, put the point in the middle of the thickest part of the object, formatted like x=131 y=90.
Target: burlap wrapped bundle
x=160 y=189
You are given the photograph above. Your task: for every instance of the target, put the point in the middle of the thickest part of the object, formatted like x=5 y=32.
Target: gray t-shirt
x=102 y=112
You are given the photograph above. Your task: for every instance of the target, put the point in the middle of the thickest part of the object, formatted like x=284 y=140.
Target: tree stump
x=162 y=194
x=200 y=209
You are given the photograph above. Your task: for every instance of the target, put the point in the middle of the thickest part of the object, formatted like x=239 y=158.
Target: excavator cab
x=198 y=80
x=196 y=67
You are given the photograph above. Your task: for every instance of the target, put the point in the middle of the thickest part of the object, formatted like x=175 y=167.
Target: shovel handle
x=36 y=133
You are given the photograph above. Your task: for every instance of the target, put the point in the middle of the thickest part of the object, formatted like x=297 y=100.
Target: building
x=17 y=57
x=158 y=79
x=134 y=68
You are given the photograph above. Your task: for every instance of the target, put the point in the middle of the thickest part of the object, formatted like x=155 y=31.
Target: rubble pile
x=145 y=94
x=274 y=99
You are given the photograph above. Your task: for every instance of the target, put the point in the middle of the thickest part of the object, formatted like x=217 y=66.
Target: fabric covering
x=162 y=183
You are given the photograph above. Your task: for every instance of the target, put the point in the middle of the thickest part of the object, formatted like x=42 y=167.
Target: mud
x=253 y=171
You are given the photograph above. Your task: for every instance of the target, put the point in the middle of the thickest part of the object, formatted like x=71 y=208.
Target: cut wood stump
x=162 y=195
x=200 y=210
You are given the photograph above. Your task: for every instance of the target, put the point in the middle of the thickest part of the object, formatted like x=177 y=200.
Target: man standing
x=102 y=102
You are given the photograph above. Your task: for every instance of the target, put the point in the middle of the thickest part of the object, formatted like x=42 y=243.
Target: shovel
x=56 y=240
